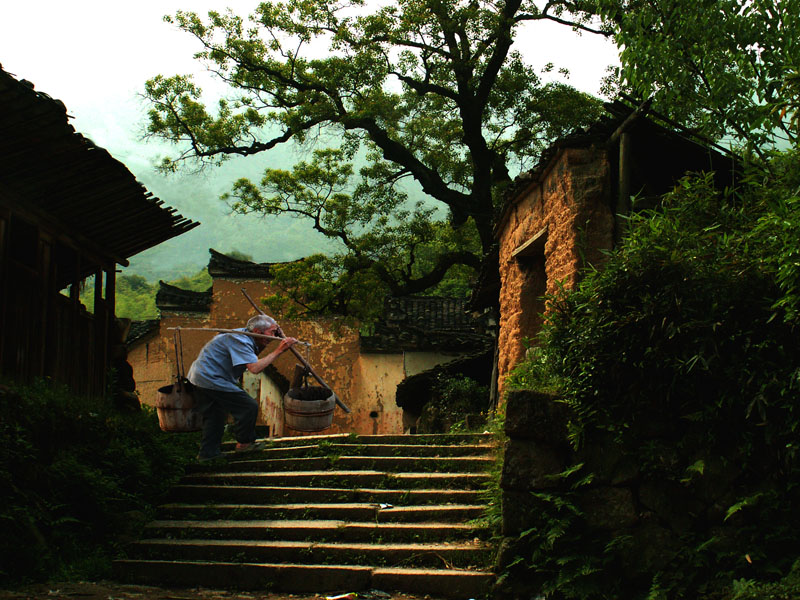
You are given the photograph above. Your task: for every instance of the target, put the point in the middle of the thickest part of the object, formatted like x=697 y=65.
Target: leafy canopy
x=429 y=91
x=725 y=67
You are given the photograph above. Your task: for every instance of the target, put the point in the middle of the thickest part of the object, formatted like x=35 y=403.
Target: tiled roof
x=64 y=179
x=176 y=299
x=426 y=323
x=671 y=150
x=140 y=330
x=415 y=391
x=222 y=265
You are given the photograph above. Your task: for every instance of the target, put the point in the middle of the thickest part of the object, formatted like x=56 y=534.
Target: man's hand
x=262 y=362
x=286 y=343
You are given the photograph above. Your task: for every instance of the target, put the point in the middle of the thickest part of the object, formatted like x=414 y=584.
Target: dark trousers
x=215 y=407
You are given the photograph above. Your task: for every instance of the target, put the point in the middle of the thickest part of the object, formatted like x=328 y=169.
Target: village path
x=107 y=590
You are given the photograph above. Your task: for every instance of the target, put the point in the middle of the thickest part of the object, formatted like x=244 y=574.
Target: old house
x=571 y=208
x=364 y=370
x=68 y=212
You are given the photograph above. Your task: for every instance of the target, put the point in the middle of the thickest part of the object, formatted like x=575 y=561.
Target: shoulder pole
x=280 y=333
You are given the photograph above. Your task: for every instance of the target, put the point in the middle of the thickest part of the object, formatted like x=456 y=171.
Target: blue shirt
x=221 y=362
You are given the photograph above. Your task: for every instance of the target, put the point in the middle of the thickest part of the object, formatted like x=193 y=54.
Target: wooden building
x=68 y=211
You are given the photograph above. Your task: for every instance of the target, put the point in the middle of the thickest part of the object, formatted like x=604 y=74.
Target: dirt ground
x=105 y=590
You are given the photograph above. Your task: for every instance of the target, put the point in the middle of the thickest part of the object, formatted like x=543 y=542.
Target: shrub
x=453 y=399
x=78 y=478
x=683 y=355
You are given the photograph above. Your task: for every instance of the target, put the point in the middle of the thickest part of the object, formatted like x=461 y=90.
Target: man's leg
x=207 y=402
x=244 y=410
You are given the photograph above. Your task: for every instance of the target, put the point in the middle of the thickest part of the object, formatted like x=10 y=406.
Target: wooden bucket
x=175 y=407
x=314 y=414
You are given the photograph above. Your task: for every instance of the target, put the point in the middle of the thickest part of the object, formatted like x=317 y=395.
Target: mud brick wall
x=572 y=200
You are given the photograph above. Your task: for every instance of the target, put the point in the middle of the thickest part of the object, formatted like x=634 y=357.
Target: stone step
x=313 y=529
x=449 y=439
x=459 y=554
x=355 y=511
x=347 y=479
x=356 y=449
x=392 y=464
x=457 y=584
x=274 y=494
x=326 y=514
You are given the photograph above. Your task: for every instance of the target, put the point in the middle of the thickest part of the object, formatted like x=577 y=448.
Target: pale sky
x=95 y=55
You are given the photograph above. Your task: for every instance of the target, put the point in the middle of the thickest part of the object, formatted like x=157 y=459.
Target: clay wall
x=153 y=359
x=366 y=383
x=571 y=200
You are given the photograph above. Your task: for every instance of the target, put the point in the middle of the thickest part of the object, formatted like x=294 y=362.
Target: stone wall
x=619 y=513
x=571 y=201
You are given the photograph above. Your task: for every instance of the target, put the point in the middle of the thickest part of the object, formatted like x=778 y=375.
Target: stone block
x=650 y=548
x=521 y=511
x=610 y=508
x=536 y=416
x=671 y=502
x=528 y=465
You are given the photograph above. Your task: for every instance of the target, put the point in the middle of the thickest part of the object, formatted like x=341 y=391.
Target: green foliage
x=533 y=373
x=491 y=493
x=385 y=246
x=787 y=588
x=201 y=281
x=719 y=66
x=136 y=297
x=685 y=302
x=453 y=397
x=682 y=356
x=430 y=91
x=77 y=478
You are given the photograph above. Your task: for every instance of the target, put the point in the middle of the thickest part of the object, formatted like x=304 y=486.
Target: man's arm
x=266 y=360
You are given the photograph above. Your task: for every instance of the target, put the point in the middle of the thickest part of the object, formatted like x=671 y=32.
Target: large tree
x=723 y=67
x=424 y=90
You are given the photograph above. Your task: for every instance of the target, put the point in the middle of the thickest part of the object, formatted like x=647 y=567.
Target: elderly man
x=215 y=375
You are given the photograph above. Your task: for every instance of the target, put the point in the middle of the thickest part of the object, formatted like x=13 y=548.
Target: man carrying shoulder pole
x=215 y=375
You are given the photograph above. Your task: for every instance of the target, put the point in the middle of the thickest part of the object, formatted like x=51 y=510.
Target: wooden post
x=624 y=196
x=4 y=284
x=109 y=314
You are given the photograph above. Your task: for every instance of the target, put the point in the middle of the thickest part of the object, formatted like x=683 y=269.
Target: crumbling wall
x=334 y=355
x=571 y=201
x=153 y=359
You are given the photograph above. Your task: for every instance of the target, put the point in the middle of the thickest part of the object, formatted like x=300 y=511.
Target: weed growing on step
x=491 y=494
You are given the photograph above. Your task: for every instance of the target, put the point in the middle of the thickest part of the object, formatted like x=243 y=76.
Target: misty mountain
x=196 y=195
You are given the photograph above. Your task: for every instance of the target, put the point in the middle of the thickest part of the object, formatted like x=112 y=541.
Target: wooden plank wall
x=45 y=333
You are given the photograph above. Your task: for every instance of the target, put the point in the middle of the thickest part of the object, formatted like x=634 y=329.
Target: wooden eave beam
x=533 y=247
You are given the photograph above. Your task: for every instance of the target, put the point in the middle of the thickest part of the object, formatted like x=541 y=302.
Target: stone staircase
x=338 y=513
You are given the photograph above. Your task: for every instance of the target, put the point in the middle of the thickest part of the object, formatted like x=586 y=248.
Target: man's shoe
x=205 y=459
x=251 y=447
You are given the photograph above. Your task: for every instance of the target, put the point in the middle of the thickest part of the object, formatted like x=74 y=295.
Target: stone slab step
x=394 y=464
x=353 y=511
x=378 y=479
x=430 y=555
x=296 y=578
x=273 y=494
x=390 y=439
x=355 y=449
x=313 y=530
